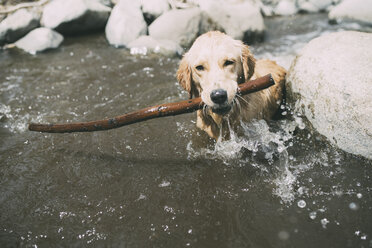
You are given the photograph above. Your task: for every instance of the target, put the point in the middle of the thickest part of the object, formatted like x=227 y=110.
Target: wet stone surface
x=160 y=183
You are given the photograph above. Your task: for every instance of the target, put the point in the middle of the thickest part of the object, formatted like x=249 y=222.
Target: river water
x=161 y=183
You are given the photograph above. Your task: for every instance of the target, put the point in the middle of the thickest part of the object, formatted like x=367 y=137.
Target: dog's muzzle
x=221 y=105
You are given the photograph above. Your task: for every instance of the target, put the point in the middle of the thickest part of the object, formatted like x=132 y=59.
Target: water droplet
x=312 y=215
x=300 y=191
x=283 y=235
x=189 y=231
x=164 y=184
x=324 y=222
x=301 y=204
x=141 y=197
x=353 y=206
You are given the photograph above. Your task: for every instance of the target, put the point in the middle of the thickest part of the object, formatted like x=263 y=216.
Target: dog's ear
x=248 y=62
x=184 y=77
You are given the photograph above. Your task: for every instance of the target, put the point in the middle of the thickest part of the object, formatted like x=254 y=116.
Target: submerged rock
x=75 y=16
x=39 y=40
x=17 y=25
x=242 y=20
x=352 y=10
x=331 y=80
x=147 y=44
x=126 y=23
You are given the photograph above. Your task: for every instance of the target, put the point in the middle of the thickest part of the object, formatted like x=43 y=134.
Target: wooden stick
x=168 y=109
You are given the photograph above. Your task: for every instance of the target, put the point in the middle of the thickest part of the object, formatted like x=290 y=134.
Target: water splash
x=11 y=119
x=268 y=143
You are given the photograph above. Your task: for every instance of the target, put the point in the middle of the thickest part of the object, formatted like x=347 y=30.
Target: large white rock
x=179 y=25
x=286 y=7
x=352 y=10
x=240 y=19
x=152 y=9
x=147 y=44
x=40 y=39
x=331 y=79
x=126 y=23
x=314 y=5
x=17 y=25
x=75 y=16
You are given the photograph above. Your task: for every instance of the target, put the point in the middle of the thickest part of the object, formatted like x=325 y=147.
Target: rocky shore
x=161 y=26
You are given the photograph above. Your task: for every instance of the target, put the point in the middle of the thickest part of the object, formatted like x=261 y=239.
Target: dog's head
x=213 y=68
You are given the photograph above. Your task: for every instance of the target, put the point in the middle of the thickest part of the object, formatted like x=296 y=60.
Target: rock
x=75 y=16
x=107 y=3
x=313 y=6
x=152 y=9
x=17 y=25
x=40 y=39
x=126 y=23
x=267 y=10
x=147 y=44
x=285 y=8
x=179 y=25
x=352 y=10
x=331 y=80
x=307 y=7
x=240 y=20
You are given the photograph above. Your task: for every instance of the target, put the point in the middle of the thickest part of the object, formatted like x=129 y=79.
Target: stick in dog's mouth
x=169 y=109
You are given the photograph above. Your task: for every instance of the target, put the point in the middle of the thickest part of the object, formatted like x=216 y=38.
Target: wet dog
x=213 y=68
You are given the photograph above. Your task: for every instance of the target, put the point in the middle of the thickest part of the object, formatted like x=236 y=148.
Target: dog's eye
x=228 y=62
x=200 y=68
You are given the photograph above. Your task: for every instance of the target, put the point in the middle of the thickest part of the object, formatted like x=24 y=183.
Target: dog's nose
x=219 y=96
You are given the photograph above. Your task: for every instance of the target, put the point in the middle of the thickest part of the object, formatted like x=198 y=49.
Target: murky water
x=161 y=183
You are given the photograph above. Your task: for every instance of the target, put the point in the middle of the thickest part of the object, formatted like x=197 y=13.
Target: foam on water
x=11 y=120
x=261 y=140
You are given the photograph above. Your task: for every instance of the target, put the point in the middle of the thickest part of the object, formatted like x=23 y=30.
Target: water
x=162 y=183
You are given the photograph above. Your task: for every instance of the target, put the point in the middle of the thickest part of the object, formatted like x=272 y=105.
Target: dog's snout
x=219 y=96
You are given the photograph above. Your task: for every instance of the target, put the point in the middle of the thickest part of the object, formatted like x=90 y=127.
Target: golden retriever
x=213 y=68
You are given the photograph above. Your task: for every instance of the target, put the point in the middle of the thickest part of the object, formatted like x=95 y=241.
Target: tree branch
x=168 y=109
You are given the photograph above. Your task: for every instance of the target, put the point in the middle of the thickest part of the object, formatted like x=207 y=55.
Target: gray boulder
x=182 y=26
x=147 y=44
x=39 y=40
x=331 y=83
x=17 y=25
x=75 y=16
x=352 y=10
x=126 y=23
x=242 y=20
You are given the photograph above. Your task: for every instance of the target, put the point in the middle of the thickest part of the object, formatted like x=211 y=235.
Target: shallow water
x=161 y=183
